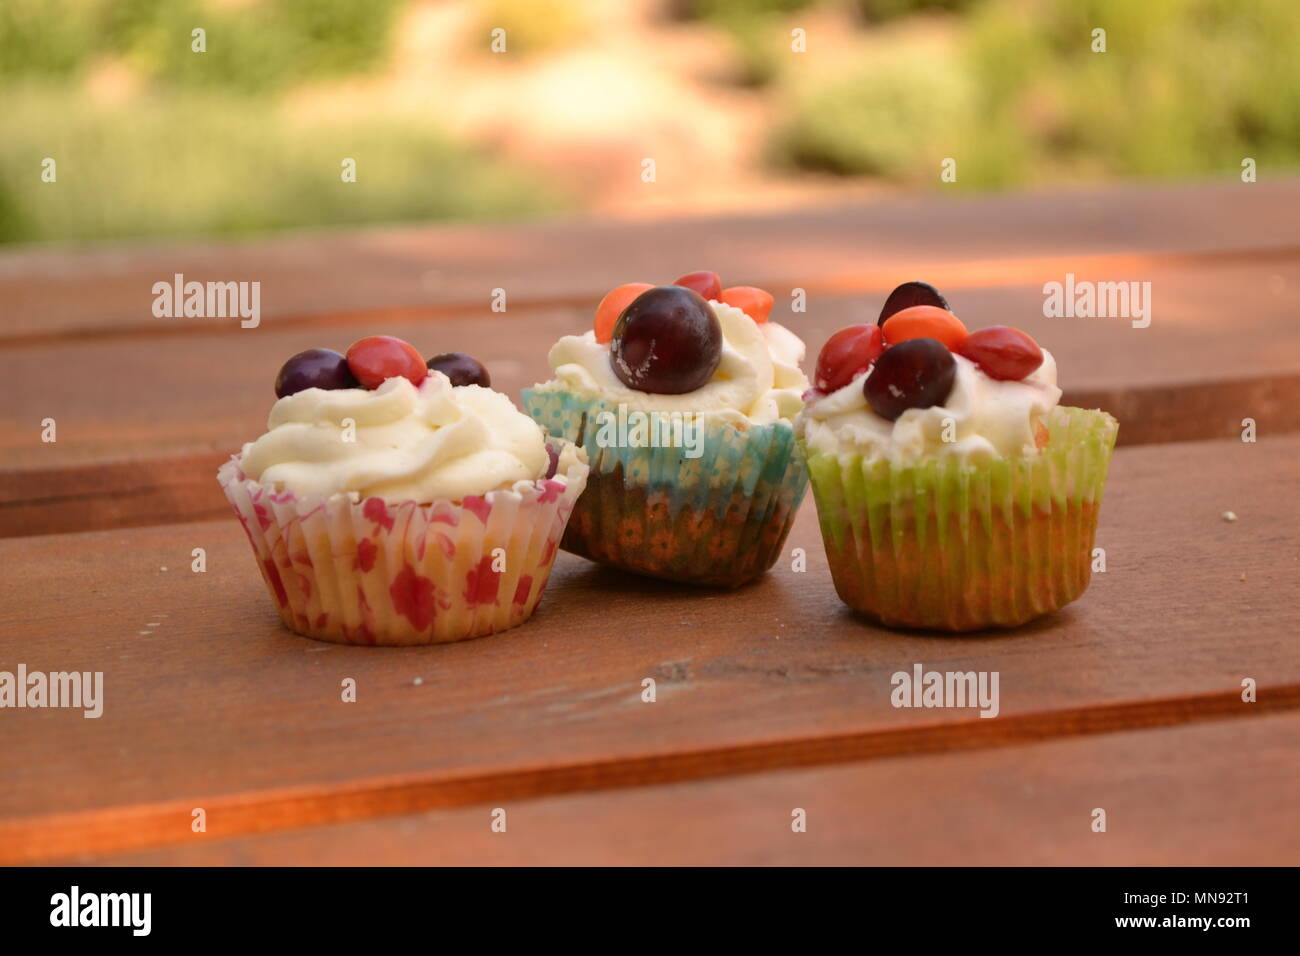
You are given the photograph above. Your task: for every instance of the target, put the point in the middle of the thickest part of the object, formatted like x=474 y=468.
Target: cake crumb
x=1229 y=516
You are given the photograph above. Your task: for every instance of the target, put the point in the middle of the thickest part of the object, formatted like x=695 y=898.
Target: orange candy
x=755 y=303
x=612 y=306
x=924 y=322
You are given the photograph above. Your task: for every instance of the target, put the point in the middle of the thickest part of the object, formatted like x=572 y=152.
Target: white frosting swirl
x=426 y=444
x=990 y=419
x=758 y=379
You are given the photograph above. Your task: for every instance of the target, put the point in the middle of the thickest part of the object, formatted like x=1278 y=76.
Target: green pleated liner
x=720 y=519
x=954 y=547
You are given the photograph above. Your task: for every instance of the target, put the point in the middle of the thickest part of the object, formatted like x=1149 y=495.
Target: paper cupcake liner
x=719 y=519
x=382 y=572
x=955 y=547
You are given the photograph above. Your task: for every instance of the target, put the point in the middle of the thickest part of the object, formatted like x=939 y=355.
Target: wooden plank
x=1211 y=794
x=209 y=702
x=143 y=424
x=956 y=239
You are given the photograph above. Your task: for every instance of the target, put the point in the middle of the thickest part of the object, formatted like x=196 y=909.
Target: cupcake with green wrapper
x=683 y=397
x=394 y=501
x=953 y=491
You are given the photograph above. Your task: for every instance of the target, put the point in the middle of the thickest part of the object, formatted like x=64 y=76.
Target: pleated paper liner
x=954 y=547
x=378 y=572
x=719 y=519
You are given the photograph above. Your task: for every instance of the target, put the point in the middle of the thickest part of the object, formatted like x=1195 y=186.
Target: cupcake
x=953 y=491
x=394 y=502
x=684 y=398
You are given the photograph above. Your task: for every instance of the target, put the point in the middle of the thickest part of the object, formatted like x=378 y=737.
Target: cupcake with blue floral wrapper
x=394 y=501
x=683 y=397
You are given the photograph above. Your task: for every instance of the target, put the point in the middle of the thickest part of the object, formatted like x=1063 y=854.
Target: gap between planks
x=117 y=829
x=972 y=274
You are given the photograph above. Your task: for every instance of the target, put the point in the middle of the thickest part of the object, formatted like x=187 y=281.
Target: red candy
x=376 y=358
x=1002 y=352
x=754 y=302
x=706 y=284
x=847 y=354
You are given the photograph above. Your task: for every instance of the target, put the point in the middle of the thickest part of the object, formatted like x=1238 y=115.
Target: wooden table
x=771 y=698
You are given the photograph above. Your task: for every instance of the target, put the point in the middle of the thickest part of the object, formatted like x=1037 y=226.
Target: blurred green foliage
x=208 y=145
x=758 y=31
x=882 y=116
x=255 y=47
x=207 y=164
x=889 y=9
x=733 y=10
x=1018 y=95
x=153 y=139
x=758 y=40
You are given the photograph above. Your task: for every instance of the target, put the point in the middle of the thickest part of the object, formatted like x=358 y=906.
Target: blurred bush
x=1016 y=95
x=251 y=47
x=207 y=144
x=153 y=139
x=210 y=164
x=882 y=115
x=753 y=26
x=889 y=9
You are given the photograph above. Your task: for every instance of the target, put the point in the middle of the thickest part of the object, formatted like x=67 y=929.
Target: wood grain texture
x=218 y=706
x=1210 y=794
x=139 y=445
x=771 y=697
x=106 y=290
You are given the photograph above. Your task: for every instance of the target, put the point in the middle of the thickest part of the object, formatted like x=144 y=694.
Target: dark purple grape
x=314 y=368
x=909 y=294
x=462 y=369
x=917 y=373
x=667 y=341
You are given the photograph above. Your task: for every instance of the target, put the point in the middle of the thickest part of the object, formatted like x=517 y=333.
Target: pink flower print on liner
x=366 y=554
x=413 y=598
x=263 y=518
x=482 y=583
x=377 y=511
x=478 y=506
x=273 y=575
x=523 y=589
x=443 y=514
x=446 y=545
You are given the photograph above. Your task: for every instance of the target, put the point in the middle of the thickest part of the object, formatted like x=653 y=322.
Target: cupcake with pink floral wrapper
x=395 y=503
x=682 y=397
x=953 y=492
